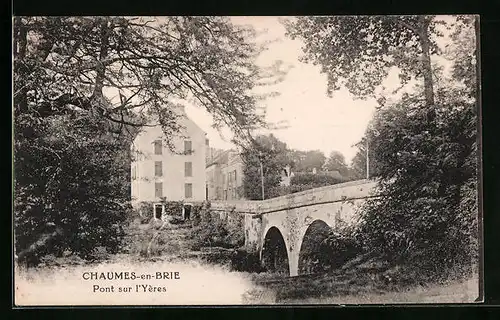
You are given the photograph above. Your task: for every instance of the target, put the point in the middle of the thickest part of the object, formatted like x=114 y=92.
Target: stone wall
x=259 y=214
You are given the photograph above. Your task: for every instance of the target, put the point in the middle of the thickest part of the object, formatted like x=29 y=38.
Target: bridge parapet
x=240 y=206
x=351 y=190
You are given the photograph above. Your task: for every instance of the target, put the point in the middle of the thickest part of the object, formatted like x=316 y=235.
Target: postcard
x=217 y=160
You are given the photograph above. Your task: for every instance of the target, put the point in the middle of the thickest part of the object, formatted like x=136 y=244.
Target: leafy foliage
x=69 y=183
x=306 y=161
x=358 y=165
x=271 y=153
x=422 y=203
x=358 y=52
x=306 y=181
x=72 y=136
x=340 y=246
x=336 y=162
x=147 y=63
x=422 y=148
x=245 y=260
x=318 y=179
x=211 y=230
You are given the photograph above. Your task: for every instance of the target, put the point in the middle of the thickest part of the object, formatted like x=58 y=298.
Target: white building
x=159 y=174
x=224 y=173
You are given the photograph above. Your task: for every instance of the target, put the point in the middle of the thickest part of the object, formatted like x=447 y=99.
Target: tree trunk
x=97 y=95
x=427 y=68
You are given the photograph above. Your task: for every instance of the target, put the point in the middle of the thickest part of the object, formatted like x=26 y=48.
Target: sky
x=315 y=121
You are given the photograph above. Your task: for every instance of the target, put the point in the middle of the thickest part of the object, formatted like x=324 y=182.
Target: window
x=188 y=169
x=188 y=147
x=207 y=142
x=234 y=176
x=225 y=194
x=134 y=173
x=158 y=189
x=158 y=147
x=158 y=169
x=188 y=190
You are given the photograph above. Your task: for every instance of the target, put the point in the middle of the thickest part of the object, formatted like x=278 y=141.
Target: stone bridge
x=283 y=228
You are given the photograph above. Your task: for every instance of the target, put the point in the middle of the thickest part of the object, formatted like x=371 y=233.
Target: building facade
x=159 y=174
x=224 y=175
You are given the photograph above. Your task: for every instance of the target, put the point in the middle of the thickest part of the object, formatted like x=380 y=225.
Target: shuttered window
x=188 y=169
x=188 y=147
x=158 y=189
x=158 y=169
x=188 y=190
x=158 y=147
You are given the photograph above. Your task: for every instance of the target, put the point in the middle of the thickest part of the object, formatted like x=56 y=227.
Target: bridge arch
x=274 y=252
x=311 y=259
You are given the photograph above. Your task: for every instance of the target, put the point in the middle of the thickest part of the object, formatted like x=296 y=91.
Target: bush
x=175 y=220
x=428 y=234
x=302 y=182
x=145 y=209
x=213 y=231
x=340 y=246
x=317 y=180
x=244 y=260
x=196 y=212
x=71 y=187
x=325 y=249
x=173 y=208
x=144 y=213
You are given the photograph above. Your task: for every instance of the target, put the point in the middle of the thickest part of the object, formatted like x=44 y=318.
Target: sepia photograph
x=246 y=160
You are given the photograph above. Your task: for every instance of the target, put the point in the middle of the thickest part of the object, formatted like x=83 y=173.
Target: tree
x=358 y=51
x=267 y=158
x=71 y=189
x=69 y=131
x=429 y=177
x=358 y=165
x=71 y=61
x=336 y=162
x=422 y=177
x=423 y=146
x=306 y=161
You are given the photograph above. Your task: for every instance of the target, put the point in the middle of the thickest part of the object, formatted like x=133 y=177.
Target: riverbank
x=206 y=278
x=201 y=283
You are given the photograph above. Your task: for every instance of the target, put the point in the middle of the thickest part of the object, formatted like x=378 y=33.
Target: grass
x=362 y=288
x=456 y=292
